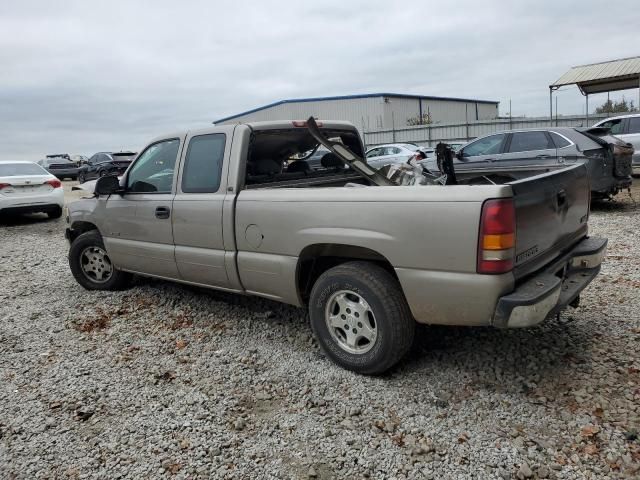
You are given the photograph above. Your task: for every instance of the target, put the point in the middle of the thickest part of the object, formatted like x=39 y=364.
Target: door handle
x=163 y=212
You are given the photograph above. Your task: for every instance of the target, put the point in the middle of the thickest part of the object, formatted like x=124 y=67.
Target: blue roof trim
x=350 y=97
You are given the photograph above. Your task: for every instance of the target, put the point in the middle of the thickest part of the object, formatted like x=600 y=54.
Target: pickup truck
x=227 y=208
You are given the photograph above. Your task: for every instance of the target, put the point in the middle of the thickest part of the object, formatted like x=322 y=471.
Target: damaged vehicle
x=516 y=154
x=221 y=208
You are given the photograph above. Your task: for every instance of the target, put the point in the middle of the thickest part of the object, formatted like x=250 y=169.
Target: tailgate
x=551 y=215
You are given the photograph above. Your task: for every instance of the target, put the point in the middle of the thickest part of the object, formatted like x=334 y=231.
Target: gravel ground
x=166 y=381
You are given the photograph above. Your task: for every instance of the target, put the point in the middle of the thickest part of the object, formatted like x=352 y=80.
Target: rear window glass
x=203 y=164
x=528 y=141
x=17 y=169
x=559 y=140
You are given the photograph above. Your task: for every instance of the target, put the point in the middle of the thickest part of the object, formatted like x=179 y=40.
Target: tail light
x=497 y=239
x=55 y=183
x=303 y=123
x=3 y=185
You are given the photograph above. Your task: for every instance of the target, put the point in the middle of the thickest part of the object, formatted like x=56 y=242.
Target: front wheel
x=91 y=265
x=81 y=178
x=360 y=317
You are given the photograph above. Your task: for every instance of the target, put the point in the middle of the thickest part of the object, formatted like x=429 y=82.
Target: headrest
x=329 y=160
x=266 y=166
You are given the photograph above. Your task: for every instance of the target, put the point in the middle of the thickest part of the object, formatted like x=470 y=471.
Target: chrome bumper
x=552 y=289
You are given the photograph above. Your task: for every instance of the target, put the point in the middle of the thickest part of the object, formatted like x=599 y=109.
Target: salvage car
x=217 y=208
x=518 y=154
x=26 y=187
x=383 y=155
x=61 y=167
x=105 y=163
x=626 y=128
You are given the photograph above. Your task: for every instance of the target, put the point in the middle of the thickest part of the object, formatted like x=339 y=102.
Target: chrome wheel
x=351 y=322
x=95 y=264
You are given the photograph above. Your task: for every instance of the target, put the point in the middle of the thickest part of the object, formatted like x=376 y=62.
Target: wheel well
x=78 y=228
x=314 y=260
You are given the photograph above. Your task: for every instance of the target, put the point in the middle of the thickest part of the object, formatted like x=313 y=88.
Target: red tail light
x=303 y=123
x=55 y=183
x=497 y=238
x=3 y=185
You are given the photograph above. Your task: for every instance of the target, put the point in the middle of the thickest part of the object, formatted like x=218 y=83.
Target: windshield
x=19 y=169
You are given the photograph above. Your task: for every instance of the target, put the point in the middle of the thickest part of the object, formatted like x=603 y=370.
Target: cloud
x=88 y=76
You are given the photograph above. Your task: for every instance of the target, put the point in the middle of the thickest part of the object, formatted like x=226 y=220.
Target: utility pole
x=556 y=110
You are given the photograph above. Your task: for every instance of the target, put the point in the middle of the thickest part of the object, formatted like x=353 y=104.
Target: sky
x=79 y=77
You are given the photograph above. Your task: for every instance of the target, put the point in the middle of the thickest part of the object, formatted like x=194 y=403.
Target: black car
x=61 y=167
x=105 y=163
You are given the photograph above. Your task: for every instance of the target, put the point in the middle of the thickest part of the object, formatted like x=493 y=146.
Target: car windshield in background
x=18 y=169
x=123 y=156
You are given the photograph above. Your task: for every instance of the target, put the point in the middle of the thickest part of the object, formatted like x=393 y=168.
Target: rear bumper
x=551 y=290
x=45 y=202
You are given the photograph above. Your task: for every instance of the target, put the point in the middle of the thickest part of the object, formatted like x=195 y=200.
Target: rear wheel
x=103 y=173
x=91 y=265
x=57 y=213
x=360 y=317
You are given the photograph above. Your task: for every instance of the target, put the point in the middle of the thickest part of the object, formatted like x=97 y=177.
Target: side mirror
x=459 y=154
x=107 y=185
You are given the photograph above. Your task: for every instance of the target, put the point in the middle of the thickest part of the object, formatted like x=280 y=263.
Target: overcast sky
x=85 y=76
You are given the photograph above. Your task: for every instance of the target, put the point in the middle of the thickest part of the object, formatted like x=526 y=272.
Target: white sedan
x=382 y=155
x=26 y=187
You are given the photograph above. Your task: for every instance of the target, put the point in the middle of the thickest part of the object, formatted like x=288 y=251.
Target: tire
x=81 y=178
x=388 y=320
x=85 y=249
x=57 y=213
x=103 y=173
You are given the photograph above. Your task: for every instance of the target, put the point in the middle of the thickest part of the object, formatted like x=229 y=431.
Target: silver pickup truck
x=237 y=208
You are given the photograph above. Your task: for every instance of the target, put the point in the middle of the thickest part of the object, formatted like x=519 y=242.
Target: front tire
x=81 y=178
x=91 y=265
x=57 y=213
x=360 y=317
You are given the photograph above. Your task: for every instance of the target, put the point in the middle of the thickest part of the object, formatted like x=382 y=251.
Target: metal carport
x=622 y=74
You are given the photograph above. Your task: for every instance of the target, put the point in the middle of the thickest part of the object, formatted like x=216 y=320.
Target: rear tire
x=378 y=326
x=57 y=213
x=91 y=266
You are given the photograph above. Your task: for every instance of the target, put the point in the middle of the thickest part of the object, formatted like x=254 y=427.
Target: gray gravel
x=165 y=381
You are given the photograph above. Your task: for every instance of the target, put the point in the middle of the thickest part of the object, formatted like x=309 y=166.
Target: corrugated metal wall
x=374 y=113
x=462 y=132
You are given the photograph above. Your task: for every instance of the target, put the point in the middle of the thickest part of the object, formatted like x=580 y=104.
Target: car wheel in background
x=57 y=213
x=360 y=317
x=103 y=173
x=91 y=265
x=81 y=178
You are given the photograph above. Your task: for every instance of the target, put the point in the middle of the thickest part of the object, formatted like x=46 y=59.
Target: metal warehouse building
x=376 y=111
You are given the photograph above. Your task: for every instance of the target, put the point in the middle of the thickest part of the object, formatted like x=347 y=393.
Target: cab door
x=198 y=208
x=137 y=227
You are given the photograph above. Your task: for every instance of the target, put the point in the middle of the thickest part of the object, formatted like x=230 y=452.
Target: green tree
x=616 y=107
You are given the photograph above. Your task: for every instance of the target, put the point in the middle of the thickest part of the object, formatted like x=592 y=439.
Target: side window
x=94 y=159
x=529 y=141
x=373 y=153
x=615 y=125
x=634 y=125
x=485 y=146
x=153 y=170
x=559 y=140
x=395 y=151
x=203 y=164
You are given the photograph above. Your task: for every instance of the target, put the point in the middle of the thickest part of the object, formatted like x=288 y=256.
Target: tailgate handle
x=562 y=198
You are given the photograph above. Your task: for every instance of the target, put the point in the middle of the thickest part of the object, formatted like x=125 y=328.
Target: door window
x=153 y=171
x=615 y=125
x=485 y=146
x=634 y=125
x=528 y=141
x=203 y=164
x=374 y=153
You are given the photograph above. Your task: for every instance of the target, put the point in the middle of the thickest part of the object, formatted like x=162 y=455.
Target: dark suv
x=518 y=154
x=105 y=163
